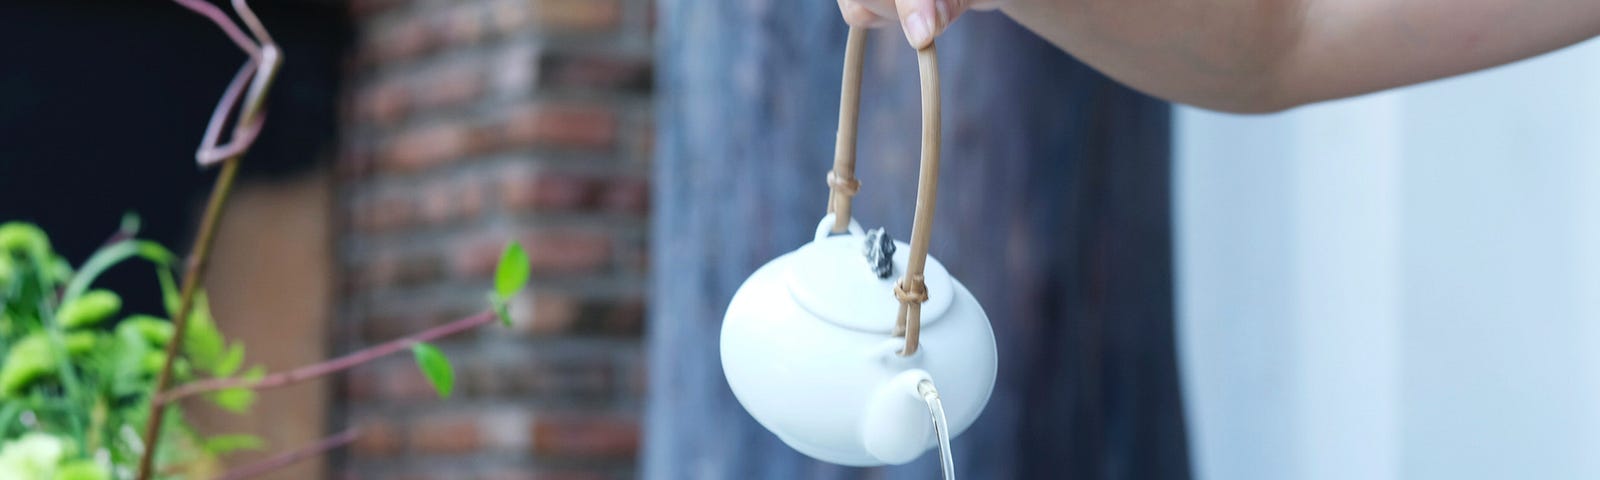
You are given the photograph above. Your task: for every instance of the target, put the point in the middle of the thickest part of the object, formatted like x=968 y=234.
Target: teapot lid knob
x=830 y=278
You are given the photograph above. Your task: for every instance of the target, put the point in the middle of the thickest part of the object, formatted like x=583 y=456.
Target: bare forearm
x=1264 y=55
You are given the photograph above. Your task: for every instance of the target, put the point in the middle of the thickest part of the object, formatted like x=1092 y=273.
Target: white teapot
x=807 y=349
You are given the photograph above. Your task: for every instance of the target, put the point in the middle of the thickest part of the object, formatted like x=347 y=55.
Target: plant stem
x=292 y=457
x=192 y=275
x=352 y=359
x=70 y=382
x=264 y=62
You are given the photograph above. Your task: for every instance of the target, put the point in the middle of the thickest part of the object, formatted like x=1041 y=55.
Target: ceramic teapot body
x=806 y=348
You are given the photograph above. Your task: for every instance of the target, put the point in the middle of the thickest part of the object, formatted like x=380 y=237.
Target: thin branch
x=308 y=372
x=265 y=60
x=250 y=20
x=180 y=319
x=221 y=19
x=257 y=73
x=292 y=457
x=208 y=151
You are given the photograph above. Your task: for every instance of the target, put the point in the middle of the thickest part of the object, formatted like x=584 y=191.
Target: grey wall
x=1405 y=285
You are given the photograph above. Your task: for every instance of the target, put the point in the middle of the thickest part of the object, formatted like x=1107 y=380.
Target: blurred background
x=1403 y=285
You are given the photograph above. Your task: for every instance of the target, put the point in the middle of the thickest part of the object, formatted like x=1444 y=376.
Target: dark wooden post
x=1053 y=209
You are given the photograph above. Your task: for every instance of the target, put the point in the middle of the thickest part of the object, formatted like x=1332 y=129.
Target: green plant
x=78 y=373
x=81 y=379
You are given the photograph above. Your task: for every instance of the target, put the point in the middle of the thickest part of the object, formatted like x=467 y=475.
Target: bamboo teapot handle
x=910 y=290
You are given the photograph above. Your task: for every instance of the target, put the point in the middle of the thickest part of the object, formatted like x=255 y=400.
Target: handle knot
x=843 y=185
x=911 y=289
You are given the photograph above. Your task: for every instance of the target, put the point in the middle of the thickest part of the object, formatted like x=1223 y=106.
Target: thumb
x=924 y=19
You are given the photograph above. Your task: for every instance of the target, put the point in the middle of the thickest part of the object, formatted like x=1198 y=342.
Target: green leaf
x=130 y=224
x=9 y=411
x=8 y=274
x=154 y=330
x=111 y=255
x=29 y=359
x=230 y=361
x=170 y=297
x=238 y=400
x=84 y=469
x=225 y=444
x=91 y=308
x=202 y=341
x=23 y=237
x=128 y=358
x=436 y=367
x=512 y=274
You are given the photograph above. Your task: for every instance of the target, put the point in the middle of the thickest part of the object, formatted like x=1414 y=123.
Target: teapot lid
x=831 y=278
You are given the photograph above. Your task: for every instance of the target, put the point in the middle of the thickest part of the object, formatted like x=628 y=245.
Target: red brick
x=591 y=71
x=418 y=269
x=567 y=251
x=585 y=436
x=454 y=86
x=361 y=385
x=509 y=15
x=430 y=146
x=650 y=17
x=639 y=260
x=477 y=257
x=577 y=14
x=571 y=126
x=556 y=251
x=381 y=328
x=450 y=200
x=645 y=145
x=448 y=434
x=429 y=75
x=362 y=8
x=639 y=382
x=355 y=161
x=378 y=438
x=397 y=270
x=543 y=313
x=437 y=203
x=504 y=429
x=401 y=42
x=626 y=318
x=480 y=380
x=402 y=381
x=375 y=273
x=384 y=104
x=470 y=199
x=380 y=214
x=464 y=25
x=561 y=377
x=547 y=190
x=521 y=474
x=626 y=195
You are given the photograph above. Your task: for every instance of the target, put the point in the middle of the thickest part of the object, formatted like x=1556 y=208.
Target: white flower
x=34 y=456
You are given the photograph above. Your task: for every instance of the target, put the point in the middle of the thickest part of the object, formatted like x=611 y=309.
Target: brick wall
x=470 y=123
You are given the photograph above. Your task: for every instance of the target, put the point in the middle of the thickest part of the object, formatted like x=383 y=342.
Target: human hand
x=921 y=19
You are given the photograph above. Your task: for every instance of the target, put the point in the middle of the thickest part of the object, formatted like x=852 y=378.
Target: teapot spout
x=895 y=427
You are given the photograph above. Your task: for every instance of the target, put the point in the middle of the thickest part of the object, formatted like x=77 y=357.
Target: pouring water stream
x=941 y=428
